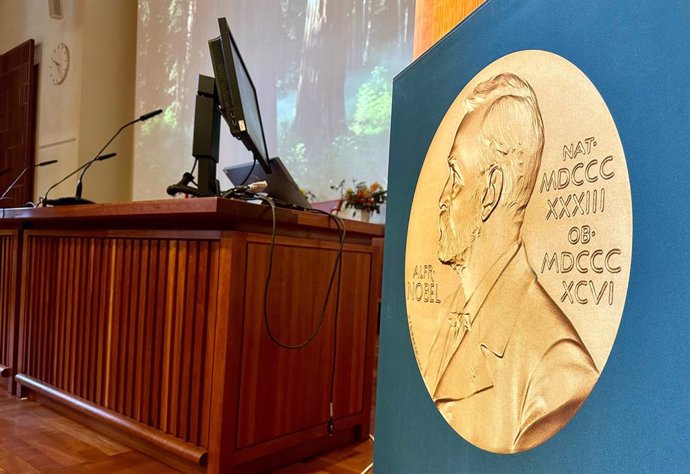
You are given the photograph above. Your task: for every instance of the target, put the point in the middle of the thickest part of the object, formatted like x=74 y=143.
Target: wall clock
x=59 y=64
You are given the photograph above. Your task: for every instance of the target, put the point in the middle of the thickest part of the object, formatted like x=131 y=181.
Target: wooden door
x=17 y=122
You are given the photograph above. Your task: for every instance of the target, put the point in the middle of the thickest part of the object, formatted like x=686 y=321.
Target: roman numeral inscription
x=577 y=190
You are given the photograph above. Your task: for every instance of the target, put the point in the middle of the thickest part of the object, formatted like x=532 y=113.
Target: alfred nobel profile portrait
x=506 y=367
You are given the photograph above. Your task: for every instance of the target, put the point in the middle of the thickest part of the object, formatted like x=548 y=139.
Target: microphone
x=77 y=199
x=19 y=176
x=149 y=115
x=62 y=201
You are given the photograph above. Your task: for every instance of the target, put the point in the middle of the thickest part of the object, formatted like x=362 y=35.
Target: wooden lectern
x=145 y=320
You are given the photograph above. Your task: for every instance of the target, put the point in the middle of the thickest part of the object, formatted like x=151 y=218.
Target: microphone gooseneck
x=19 y=176
x=98 y=157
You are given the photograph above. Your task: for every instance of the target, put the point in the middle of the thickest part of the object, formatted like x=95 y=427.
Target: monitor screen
x=237 y=95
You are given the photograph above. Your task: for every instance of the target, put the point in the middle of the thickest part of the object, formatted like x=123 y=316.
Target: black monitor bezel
x=233 y=112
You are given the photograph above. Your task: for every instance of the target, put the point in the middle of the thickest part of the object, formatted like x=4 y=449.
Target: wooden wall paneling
x=434 y=18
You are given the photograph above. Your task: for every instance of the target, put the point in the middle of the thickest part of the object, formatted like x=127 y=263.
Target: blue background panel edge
x=637 y=418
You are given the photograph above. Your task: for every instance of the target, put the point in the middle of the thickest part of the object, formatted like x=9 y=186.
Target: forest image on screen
x=322 y=70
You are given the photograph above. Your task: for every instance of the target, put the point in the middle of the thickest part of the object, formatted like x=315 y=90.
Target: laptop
x=281 y=186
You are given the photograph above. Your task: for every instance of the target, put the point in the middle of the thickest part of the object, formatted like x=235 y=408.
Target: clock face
x=59 y=64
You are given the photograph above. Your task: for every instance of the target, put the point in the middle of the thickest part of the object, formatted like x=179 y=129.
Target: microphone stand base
x=66 y=201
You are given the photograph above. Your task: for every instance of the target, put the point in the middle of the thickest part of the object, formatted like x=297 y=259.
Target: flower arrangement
x=361 y=196
x=308 y=194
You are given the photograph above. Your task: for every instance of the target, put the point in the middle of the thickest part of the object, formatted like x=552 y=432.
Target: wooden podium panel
x=145 y=320
x=117 y=322
x=302 y=377
x=9 y=285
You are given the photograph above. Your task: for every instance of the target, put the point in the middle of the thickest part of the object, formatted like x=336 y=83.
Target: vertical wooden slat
x=91 y=322
x=45 y=316
x=131 y=367
x=74 y=296
x=101 y=317
x=37 y=320
x=199 y=325
x=212 y=299
x=125 y=297
x=187 y=349
x=10 y=266
x=159 y=338
x=29 y=360
x=176 y=345
x=124 y=323
x=113 y=330
x=150 y=340
x=170 y=278
x=4 y=296
x=142 y=335
x=80 y=314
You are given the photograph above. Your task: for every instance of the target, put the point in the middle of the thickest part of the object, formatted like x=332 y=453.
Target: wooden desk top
x=201 y=213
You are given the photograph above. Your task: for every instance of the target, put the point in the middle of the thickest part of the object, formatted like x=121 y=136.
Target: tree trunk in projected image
x=320 y=109
x=377 y=22
x=176 y=57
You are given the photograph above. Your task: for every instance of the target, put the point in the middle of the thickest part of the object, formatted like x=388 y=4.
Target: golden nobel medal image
x=518 y=251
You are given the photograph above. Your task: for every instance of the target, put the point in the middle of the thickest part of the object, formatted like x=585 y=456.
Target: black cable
x=336 y=268
x=193 y=166
x=339 y=263
x=251 y=170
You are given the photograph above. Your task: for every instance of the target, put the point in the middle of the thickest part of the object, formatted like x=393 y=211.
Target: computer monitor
x=237 y=95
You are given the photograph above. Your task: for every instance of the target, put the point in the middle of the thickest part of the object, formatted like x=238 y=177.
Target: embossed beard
x=460 y=227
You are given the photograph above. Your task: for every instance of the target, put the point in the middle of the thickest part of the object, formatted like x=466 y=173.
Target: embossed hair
x=512 y=135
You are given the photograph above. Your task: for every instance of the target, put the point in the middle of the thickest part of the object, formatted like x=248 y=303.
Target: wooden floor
x=34 y=438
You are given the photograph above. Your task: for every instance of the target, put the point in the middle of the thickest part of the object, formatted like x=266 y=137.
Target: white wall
x=76 y=117
x=58 y=106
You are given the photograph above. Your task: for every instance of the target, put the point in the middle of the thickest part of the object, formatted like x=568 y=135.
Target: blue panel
x=637 y=418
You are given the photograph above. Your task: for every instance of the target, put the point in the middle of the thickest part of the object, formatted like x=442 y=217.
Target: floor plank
x=35 y=439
